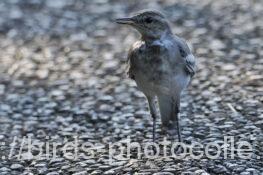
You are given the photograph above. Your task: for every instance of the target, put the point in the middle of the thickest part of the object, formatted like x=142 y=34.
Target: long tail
x=169 y=108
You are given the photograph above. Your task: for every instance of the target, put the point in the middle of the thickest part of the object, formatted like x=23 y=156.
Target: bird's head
x=151 y=24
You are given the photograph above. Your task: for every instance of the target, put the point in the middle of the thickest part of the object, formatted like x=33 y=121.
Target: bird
x=162 y=65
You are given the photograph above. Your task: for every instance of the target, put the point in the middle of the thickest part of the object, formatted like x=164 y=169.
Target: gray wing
x=185 y=52
x=132 y=59
x=131 y=63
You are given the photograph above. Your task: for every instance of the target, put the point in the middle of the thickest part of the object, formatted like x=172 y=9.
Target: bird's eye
x=148 y=20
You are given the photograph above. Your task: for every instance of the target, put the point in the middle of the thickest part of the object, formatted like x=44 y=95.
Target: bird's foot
x=179 y=149
x=153 y=150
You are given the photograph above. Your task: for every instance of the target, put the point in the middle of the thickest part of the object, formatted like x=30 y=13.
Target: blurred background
x=62 y=73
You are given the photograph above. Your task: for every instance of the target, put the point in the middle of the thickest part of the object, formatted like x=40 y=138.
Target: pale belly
x=152 y=83
x=146 y=85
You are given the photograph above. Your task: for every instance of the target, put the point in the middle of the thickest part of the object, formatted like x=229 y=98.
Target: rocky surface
x=63 y=75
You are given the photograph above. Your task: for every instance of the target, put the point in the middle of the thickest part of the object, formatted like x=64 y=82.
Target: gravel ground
x=62 y=74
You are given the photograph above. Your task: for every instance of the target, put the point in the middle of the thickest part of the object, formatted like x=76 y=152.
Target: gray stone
x=17 y=167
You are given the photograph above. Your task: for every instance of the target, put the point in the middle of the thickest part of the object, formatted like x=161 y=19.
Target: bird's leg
x=154 y=126
x=153 y=114
x=177 y=122
x=174 y=129
x=176 y=118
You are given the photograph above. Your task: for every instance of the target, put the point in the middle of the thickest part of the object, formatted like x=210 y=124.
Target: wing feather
x=190 y=64
x=130 y=64
x=185 y=52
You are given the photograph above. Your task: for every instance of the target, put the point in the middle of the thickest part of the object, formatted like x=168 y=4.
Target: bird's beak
x=128 y=21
